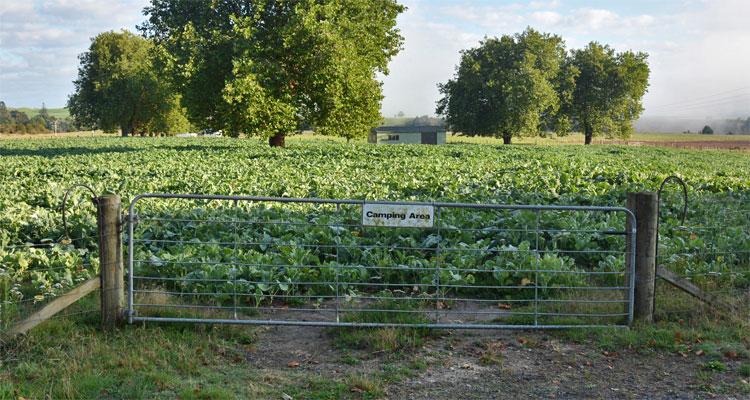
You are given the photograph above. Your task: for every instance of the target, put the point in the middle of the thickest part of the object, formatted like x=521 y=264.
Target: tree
x=268 y=68
x=504 y=87
x=4 y=114
x=608 y=88
x=707 y=130
x=171 y=122
x=117 y=86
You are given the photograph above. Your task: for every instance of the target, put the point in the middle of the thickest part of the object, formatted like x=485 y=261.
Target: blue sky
x=698 y=49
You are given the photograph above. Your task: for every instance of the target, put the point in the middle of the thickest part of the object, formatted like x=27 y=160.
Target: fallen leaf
x=699 y=352
x=357 y=390
x=504 y=306
x=730 y=354
x=293 y=364
x=523 y=340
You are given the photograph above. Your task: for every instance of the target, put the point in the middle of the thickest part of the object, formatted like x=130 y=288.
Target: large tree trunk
x=126 y=130
x=277 y=140
x=588 y=134
x=506 y=138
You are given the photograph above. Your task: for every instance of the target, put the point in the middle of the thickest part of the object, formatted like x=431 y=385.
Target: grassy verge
x=384 y=339
x=71 y=358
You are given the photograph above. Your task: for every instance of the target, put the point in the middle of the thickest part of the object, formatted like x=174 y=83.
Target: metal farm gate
x=283 y=261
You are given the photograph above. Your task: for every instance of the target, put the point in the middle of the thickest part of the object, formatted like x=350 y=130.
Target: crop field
x=39 y=261
x=35 y=174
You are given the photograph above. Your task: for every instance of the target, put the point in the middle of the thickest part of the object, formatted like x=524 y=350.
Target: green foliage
x=715 y=365
x=267 y=68
x=504 y=87
x=16 y=121
x=35 y=173
x=608 y=89
x=118 y=88
x=707 y=130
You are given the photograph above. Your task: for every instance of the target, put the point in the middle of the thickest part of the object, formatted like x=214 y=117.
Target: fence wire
x=33 y=274
x=312 y=262
x=711 y=250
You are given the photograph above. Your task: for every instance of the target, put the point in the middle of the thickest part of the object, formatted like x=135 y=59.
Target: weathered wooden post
x=645 y=207
x=110 y=260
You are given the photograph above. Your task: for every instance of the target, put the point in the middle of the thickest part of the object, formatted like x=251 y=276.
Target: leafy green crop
x=35 y=173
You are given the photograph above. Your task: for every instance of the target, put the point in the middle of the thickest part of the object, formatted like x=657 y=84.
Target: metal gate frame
x=630 y=253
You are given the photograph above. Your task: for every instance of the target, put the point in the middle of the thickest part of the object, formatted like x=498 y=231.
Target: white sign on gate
x=398 y=215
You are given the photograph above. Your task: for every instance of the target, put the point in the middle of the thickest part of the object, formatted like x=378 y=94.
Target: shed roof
x=409 y=129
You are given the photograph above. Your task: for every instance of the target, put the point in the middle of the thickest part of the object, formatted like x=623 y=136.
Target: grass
x=59 y=113
x=71 y=358
x=384 y=339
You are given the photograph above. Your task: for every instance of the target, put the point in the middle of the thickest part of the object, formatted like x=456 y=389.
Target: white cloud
x=492 y=17
x=41 y=40
x=536 y=5
x=547 y=18
x=698 y=47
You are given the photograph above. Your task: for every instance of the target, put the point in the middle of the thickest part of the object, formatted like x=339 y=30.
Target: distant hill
x=721 y=126
x=59 y=113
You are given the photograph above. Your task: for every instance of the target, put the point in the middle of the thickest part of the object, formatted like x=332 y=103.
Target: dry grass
x=64 y=135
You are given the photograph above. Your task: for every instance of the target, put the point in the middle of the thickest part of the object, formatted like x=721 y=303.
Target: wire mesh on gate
x=235 y=259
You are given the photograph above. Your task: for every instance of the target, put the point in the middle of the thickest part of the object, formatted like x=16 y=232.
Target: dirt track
x=503 y=364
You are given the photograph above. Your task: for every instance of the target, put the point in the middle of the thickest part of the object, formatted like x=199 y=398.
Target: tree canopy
x=268 y=68
x=504 y=87
x=117 y=86
x=15 y=121
x=525 y=83
x=607 y=90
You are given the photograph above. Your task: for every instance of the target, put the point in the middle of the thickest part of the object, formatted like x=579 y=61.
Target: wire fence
x=34 y=274
x=711 y=249
x=17 y=349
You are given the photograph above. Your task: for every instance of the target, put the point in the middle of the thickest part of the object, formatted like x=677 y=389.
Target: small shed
x=407 y=135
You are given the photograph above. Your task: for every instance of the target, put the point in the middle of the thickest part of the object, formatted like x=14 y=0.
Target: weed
x=386 y=339
x=715 y=366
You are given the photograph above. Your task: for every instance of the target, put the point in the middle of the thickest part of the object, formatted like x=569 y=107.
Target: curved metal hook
x=65 y=201
x=684 y=194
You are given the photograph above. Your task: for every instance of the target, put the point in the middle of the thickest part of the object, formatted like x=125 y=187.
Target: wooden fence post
x=110 y=260
x=645 y=207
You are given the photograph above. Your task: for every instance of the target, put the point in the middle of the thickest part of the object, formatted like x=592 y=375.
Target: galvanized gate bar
x=434 y=259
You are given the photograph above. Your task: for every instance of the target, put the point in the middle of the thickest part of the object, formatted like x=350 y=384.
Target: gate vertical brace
x=110 y=260
x=536 y=273
x=645 y=207
x=437 y=266
x=131 y=245
x=235 y=224
x=338 y=265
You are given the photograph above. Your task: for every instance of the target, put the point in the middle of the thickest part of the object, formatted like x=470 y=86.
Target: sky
x=699 y=50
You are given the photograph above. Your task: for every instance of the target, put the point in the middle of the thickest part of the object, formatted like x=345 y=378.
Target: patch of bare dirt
x=502 y=364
